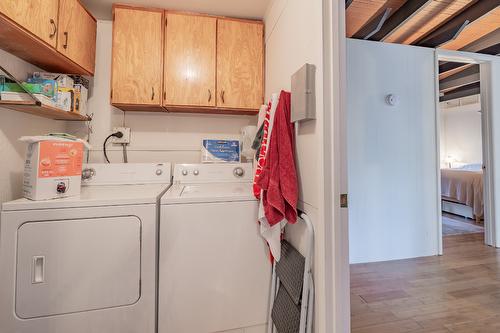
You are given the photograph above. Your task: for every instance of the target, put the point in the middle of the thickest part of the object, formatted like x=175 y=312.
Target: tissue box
x=52 y=169
x=220 y=151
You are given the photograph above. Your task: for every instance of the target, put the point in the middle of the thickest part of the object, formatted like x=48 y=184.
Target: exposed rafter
x=447 y=36
x=374 y=26
x=454 y=26
x=489 y=44
x=464 y=78
x=469 y=90
x=398 y=19
x=485 y=43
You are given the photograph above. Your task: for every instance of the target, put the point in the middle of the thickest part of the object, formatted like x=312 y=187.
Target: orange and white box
x=52 y=169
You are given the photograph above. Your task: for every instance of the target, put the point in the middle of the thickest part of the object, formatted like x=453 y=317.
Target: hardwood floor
x=458 y=292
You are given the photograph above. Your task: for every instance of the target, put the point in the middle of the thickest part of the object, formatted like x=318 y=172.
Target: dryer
x=84 y=264
x=214 y=267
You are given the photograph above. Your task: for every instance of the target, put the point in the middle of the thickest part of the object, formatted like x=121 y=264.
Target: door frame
x=484 y=62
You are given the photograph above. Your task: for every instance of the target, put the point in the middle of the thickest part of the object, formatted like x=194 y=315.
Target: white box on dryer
x=52 y=169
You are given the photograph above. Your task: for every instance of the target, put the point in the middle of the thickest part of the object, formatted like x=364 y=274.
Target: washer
x=84 y=264
x=214 y=268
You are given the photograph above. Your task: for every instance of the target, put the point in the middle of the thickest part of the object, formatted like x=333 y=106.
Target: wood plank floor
x=457 y=292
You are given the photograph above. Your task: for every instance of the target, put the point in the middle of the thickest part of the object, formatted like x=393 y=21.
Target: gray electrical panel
x=304 y=93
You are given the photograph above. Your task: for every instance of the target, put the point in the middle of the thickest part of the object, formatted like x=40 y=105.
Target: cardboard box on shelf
x=66 y=99
x=47 y=88
x=63 y=80
x=81 y=98
x=15 y=96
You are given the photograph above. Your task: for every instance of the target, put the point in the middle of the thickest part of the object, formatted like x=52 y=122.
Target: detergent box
x=52 y=169
x=220 y=151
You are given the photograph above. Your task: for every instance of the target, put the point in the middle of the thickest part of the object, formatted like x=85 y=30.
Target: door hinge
x=343 y=200
x=113 y=17
x=111 y=95
x=164 y=95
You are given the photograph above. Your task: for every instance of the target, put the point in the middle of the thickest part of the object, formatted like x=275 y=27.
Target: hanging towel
x=266 y=119
x=278 y=178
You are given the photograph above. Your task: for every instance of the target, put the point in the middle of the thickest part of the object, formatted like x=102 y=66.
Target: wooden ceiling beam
x=429 y=18
x=373 y=26
x=483 y=44
x=464 y=78
x=399 y=18
x=360 y=12
x=468 y=90
x=455 y=25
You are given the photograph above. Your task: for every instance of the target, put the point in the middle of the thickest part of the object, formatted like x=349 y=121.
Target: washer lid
x=214 y=192
x=93 y=196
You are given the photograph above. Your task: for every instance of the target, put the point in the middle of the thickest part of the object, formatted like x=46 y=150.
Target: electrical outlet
x=126 y=135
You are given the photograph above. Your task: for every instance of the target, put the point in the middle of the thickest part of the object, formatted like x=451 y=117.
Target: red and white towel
x=275 y=182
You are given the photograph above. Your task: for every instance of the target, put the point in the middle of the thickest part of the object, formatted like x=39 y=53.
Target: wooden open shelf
x=38 y=109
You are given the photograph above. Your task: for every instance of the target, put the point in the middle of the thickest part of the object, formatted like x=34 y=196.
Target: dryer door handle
x=38 y=269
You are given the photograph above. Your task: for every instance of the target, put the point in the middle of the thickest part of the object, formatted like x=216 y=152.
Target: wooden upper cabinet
x=190 y=60
x=37 y=16
x=240 y=63
x=77 y=34
x=137 y=56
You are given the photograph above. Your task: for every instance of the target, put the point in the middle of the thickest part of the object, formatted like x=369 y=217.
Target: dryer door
x=70 y=266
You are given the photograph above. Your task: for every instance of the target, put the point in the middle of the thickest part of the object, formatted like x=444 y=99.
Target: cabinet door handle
x=65 y=45
x=222 y=96
x=209 y=95
x=54 y=28
x=152 y=93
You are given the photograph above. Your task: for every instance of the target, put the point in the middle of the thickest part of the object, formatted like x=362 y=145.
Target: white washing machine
x=84 y=264
x=214 y=267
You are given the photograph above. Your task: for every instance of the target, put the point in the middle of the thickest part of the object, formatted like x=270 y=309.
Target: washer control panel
x=213 y=173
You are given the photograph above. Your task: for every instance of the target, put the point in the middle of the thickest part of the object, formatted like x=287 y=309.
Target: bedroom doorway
x=461 y=142
x=464 y=143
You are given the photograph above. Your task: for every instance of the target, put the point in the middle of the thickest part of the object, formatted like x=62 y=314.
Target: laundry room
x=164 y=166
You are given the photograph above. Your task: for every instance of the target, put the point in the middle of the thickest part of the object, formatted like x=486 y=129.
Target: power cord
x=116 y=135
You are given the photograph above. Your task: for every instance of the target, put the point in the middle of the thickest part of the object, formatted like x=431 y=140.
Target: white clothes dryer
x=84 y=264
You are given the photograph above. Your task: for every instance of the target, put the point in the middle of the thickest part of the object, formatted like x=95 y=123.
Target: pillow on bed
x=468 y=166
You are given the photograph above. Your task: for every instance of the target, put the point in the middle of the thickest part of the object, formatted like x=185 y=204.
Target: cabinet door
x=137 y=56
x=190 y=52
x=37 y=16
x=77 y=34
x=240 y=64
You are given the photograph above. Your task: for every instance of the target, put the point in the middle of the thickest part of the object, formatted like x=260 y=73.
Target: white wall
x=294 y=37
x=391 y=152
x=461 y=136
x=156 y=137
x=13 y=125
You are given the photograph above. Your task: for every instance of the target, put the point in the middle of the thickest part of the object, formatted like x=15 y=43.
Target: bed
x=462 y=191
